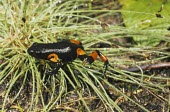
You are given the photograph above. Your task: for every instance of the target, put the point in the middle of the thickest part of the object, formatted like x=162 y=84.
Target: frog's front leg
x=54 y=58
x=55 y=69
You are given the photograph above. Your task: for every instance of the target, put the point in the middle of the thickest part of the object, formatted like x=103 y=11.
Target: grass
x=25 y=86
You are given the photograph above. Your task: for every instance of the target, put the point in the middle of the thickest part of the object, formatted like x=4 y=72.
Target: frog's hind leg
x=92 y=57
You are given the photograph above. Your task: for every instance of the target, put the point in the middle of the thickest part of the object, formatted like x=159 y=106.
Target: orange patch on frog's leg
x=80 y=52
x=75 y=42
x=53 y=57
x=102 y=57
x=94 y=55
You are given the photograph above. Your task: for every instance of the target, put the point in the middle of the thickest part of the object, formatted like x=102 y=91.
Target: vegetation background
x=133 y=34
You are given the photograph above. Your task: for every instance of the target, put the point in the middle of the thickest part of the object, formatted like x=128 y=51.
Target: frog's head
x=35 y=50
x=43 y=51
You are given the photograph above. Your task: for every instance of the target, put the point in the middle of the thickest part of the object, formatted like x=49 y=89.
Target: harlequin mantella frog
x=63 y=52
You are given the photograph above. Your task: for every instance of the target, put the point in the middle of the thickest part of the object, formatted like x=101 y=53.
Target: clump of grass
x=25 y=86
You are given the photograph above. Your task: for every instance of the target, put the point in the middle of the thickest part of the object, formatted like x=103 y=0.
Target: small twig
x=0 y=61
x=149 y=67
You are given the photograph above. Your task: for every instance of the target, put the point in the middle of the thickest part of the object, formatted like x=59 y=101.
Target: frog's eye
x=35 y=43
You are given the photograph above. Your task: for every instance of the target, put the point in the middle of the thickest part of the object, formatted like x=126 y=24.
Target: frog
x=65 y=51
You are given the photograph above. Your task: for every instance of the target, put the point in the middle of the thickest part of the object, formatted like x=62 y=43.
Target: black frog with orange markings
x=63 y=52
